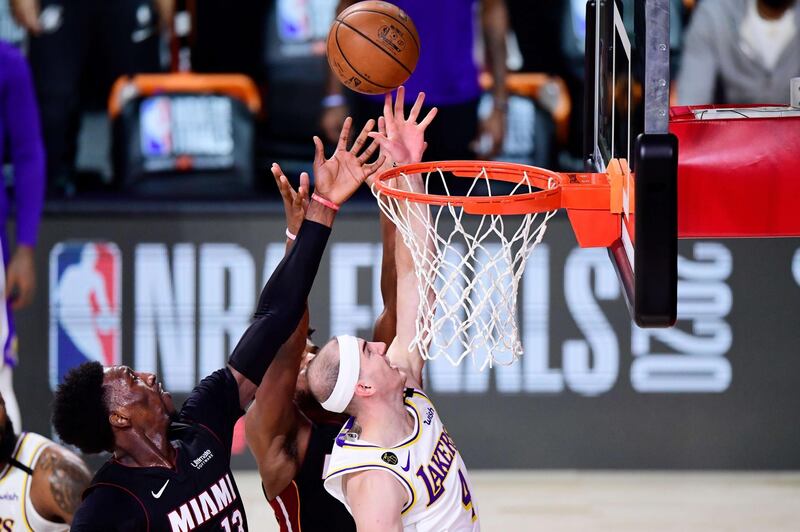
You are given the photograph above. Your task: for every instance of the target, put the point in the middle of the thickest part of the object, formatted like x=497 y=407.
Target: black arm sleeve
x=281 y=304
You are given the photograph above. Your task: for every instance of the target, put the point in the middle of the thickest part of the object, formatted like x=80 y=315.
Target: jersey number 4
x=466 y=496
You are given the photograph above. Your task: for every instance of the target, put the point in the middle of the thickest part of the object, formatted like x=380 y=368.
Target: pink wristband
x=324 y=201
x=290 y=235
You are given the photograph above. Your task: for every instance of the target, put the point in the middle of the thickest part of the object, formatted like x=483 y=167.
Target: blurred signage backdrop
x=172 y=294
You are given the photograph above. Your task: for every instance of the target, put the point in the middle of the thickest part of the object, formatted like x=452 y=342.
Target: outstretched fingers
x=277 y=172
x=369 y=151
x=362 y=137
x=287 y=193
x=345 y=134
x=319 y=152
x=304 y=182
x=388 y=115
x=429 y=118
x=370 y=169
x=301 y=197
x=414 y=113
x=398 y=103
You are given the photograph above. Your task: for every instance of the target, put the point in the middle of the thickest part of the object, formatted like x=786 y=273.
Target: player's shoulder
x=54 y=463
x=54 y=453
x=103 y=500
x=420 y=403
x=30 y=447
x=110 y=507
x=348 y=447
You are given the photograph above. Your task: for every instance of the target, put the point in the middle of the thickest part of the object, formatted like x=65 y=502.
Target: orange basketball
x=373 y=47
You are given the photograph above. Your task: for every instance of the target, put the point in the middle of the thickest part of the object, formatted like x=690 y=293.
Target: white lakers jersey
x=427 y=464
x=16 y=508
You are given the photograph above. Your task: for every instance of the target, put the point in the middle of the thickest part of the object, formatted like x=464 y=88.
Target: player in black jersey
x=172 y=471
x=288 y=431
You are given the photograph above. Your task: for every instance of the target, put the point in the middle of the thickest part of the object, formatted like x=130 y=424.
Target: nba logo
x=85 y=306
x=156 y=126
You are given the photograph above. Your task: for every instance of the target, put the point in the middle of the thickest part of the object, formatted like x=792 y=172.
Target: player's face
x=141 y=391
x=376 y=367
x=310 y=352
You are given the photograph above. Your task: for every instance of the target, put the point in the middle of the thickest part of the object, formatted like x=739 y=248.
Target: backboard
x=626 y=119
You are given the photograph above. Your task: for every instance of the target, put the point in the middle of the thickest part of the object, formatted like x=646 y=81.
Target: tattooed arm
x=59 y=478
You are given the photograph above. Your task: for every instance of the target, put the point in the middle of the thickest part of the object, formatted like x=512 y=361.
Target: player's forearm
x=495 y=27
x=386 y=323
x=282 y=302
x=388 y=267
x=320 y=214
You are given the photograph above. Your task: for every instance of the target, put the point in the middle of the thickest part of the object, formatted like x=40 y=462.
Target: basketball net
x=468 y=266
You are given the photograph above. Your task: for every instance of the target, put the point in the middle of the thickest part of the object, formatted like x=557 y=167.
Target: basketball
x=373 y=47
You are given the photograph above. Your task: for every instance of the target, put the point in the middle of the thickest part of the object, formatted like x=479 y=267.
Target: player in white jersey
x=40 y=481
x=394 y=466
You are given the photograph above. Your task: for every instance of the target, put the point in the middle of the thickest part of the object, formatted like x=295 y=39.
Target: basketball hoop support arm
x=593 y=201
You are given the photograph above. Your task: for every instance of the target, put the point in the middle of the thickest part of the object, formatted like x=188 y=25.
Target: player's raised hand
x=401 y=138
x=295 y=203
x=340 y=176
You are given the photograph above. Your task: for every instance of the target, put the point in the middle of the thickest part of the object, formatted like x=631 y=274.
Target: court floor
x=612 y=501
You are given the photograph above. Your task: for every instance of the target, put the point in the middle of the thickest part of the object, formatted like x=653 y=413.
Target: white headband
x=349 y=368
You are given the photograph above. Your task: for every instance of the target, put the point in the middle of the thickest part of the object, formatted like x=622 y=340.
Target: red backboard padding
x=737 y=177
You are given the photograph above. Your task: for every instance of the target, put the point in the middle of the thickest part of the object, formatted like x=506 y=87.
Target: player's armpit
x=59 y=480
x=376 y=500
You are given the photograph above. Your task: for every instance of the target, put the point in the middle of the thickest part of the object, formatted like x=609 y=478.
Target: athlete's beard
x=8 y=440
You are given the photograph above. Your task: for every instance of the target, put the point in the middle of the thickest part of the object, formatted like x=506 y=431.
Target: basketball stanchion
x=476 y=245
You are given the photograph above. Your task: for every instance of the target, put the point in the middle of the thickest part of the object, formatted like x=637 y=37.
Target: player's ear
x=119 y=420
x=363 y=389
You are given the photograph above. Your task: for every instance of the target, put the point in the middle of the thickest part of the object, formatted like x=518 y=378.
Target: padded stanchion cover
x=737 y=177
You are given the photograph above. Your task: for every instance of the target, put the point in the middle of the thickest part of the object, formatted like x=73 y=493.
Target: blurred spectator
x=19 y=131
x=448 y=75
x=229 y=39
x=740 y=51
x=551 y=25
x=77 y=49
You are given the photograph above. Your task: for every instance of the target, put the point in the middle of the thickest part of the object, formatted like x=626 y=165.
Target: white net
x=468 y=265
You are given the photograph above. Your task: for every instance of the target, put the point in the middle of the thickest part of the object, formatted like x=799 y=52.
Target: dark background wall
x=719 y=391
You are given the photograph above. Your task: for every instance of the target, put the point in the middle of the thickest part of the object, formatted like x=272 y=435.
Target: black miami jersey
x=304 y=505
x=198 y=494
